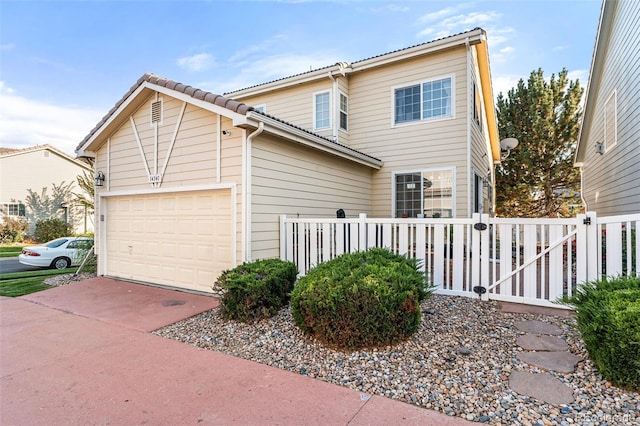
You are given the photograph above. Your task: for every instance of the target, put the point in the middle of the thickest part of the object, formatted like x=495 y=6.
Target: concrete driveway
x=82 y=354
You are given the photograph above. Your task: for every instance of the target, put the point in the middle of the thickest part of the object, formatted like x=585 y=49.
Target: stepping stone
x=534 y=342
x=562 y=362
x=538 y=327
x=541 y=386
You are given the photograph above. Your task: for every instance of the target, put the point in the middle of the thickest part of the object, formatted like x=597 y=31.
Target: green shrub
x=362 y=299
x=50 y=229
x=12 y=230
x=608 y=316
x=256 y=290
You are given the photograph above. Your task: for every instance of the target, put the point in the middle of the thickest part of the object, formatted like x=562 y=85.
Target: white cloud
x=397 y=8
x=500 y=36
x=259 y=48
x=559 y=48
x=581 y=75
x=198 y=62
x=27 y=122
x=268 y=68
x=434 y=16
x=503 y=55
x=503 y=83
x=448 y=21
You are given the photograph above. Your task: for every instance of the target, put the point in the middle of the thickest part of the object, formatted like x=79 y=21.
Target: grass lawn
x=21 y=286
x=20 y=283
x=10 y=251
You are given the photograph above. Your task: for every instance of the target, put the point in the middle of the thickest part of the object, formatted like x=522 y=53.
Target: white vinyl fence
x=532 y=261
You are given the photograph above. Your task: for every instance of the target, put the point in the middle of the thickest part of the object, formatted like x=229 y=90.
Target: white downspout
x=335 y=118
x=584 y=200
x=247 y=190
x=470 y=188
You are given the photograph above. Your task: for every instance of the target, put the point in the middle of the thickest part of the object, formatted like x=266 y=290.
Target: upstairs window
x=428 y=100
x=321 y=111
x=344 y=111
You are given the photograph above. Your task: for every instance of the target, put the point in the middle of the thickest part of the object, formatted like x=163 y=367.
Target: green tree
x=538 y=178
x=86 y=197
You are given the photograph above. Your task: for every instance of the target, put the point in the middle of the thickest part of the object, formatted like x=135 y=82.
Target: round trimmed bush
x=256 y=290
x=608 y=317
x=362 y=299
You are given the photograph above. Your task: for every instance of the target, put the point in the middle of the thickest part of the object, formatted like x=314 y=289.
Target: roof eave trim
x=487 y=96
x=602 y=34
x=300 y=136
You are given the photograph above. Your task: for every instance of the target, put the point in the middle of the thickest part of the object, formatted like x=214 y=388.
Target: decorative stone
x=464 y=351
x=541 y=386
x=535 y=342
x=538 y=327
x=562 y=362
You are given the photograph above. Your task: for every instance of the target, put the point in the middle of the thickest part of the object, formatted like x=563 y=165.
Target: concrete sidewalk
x=82 y=354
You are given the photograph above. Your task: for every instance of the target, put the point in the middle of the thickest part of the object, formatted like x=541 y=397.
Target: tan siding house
x=34 y=169
x=196 y=182
x=445 y=157
x=609 y=143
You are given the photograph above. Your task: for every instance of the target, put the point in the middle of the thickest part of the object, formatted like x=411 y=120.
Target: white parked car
x=59 y=254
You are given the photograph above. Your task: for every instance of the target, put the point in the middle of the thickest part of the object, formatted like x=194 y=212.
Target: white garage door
x=178 y=239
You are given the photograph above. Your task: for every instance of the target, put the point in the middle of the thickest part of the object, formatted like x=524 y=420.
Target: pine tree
x=538 y=178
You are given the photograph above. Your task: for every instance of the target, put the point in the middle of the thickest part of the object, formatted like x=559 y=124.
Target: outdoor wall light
x=226 y=132
x=99 y=179
x=600 y=147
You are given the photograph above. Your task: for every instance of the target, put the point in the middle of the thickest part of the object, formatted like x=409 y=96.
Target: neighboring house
x=33 y=169
x=196 y=182
x=609 y=144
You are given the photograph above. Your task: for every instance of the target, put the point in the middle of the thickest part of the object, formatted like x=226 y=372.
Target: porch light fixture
x=99 y=179
x=600 y=148
x=506 y=145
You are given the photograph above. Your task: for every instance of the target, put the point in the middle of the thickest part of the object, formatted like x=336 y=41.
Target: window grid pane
x=322 y=111
x=407 y=104
x=436 y=99
x=344 y=105
x=408 y=190
x=438 y=194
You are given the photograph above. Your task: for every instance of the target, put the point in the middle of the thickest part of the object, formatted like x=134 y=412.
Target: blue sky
x=63 y=65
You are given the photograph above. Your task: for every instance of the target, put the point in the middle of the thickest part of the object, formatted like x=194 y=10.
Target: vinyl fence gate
x=532 y=261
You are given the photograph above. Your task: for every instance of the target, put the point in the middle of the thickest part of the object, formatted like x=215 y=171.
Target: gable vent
x=156 y=112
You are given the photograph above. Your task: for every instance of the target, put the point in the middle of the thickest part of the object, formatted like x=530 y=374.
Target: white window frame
x=421 y=83
x=315 y=102
x=424 y=171
x=341 y=111
x=6 y=209
x=609 y=140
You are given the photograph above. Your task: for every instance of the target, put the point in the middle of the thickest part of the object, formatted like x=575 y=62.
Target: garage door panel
x=181 y=240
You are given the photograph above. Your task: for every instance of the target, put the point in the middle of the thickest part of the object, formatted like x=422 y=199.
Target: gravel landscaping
x=459 y=363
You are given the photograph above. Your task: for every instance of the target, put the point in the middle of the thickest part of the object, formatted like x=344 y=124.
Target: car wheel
x=60 y=263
